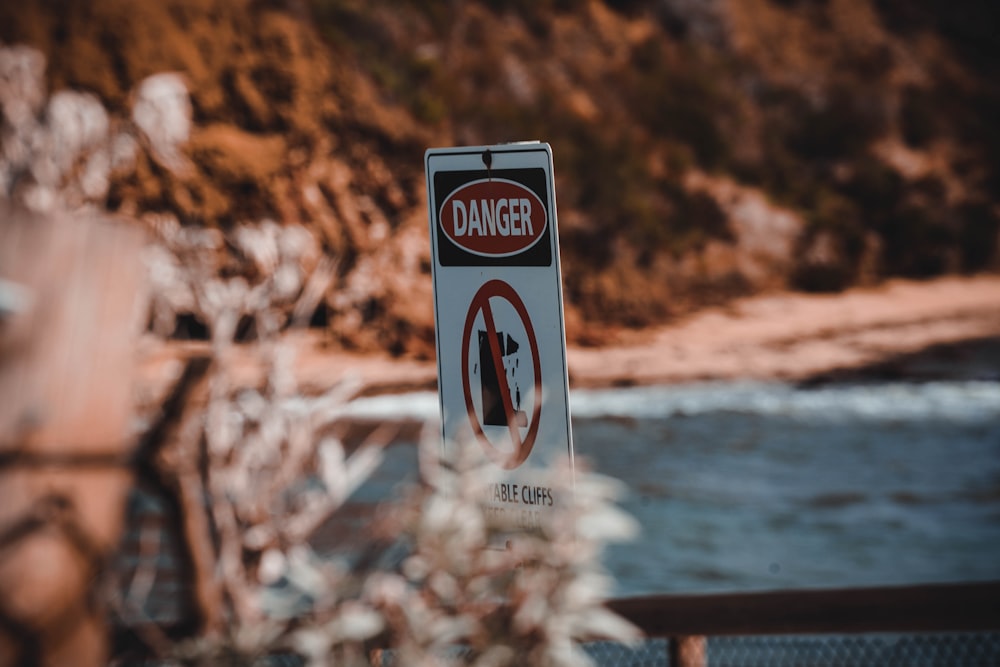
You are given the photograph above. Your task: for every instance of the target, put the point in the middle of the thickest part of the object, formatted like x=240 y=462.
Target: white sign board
x=501 y=342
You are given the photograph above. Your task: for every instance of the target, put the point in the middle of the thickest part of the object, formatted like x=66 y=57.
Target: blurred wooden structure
x=687 y=620
x=72 y=291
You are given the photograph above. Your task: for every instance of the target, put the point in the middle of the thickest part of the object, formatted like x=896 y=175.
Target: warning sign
x=500 y=391
x=498 y=308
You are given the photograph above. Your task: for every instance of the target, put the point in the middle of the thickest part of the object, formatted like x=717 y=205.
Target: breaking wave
x=949 y=400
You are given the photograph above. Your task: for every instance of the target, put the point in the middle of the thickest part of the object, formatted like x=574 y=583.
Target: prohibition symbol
x=498 y=406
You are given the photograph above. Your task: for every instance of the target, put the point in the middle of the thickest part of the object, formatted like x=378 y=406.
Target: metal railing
x=933 y=607
x=933 y=625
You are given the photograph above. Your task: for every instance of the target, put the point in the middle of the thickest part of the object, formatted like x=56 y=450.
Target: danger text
x=492 y=217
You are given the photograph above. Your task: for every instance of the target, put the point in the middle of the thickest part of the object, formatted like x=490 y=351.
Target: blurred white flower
x=122 y=151
x=163 y=112
x=77 y=122
x=355 y=622
x=61 y=159
x=259 y=242
x=95 y=179
x=22 y=84
x=287 y=282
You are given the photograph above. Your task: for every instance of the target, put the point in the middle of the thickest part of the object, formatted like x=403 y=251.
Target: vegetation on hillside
x=681 y=131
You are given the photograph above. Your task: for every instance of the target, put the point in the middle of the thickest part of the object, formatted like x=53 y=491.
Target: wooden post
x=68 y=326
x=688 y=651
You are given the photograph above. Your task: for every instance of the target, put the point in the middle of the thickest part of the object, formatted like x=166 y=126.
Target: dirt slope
x=704 y=151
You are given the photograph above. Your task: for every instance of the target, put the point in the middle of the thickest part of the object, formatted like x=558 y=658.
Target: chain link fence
x=879 y=650
x=966 y=649
x=884 y=650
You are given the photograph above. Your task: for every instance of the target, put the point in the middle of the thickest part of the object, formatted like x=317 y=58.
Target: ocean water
x=754 y=486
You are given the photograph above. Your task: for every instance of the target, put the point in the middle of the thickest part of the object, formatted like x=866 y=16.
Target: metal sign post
x=501 y=342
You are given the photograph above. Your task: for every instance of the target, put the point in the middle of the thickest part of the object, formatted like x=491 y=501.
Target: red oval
x=493 y=217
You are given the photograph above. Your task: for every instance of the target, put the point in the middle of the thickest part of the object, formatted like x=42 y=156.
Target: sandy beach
x=795 y=337
x=783 y=336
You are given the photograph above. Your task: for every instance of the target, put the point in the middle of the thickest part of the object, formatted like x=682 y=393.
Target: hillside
x=703 y=150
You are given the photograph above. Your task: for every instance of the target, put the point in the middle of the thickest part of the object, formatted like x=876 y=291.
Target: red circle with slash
x=481 y=302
